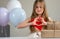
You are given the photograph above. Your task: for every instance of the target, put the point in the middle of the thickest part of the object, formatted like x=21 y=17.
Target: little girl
x=38 y=18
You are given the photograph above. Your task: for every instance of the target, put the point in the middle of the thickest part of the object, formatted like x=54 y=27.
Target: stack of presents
x=52 y=30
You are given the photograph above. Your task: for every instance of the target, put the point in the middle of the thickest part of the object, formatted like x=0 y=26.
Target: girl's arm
x=24 y=23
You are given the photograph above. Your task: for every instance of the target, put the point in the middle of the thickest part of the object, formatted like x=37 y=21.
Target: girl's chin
x=39 y=13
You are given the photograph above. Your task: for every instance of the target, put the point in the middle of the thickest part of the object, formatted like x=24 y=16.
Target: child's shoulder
x=50 y=19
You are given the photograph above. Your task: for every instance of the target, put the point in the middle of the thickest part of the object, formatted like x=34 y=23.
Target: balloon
x=4 y=16
x=16 y=16
x=13 y=4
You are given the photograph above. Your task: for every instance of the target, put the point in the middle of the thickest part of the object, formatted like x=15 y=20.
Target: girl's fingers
x=34 y=22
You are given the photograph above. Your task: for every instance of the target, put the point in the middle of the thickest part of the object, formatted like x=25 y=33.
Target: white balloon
x=13 y=4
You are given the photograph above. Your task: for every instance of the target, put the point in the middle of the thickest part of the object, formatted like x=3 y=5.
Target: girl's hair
x=34 y=15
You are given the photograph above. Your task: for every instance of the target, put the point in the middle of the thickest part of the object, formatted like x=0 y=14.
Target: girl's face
x=39 y=8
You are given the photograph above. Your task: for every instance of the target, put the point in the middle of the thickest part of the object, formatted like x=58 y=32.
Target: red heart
x=38 y=22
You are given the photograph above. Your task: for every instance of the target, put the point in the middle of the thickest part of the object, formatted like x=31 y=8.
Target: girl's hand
x=34 y=22
x=43 y=22
x=41 y=19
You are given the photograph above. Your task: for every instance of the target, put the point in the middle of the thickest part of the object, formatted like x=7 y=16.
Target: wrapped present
x=53 y=30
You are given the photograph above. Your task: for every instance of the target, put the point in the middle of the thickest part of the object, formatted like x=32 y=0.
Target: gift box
x=53 y=30
x=47 y=33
